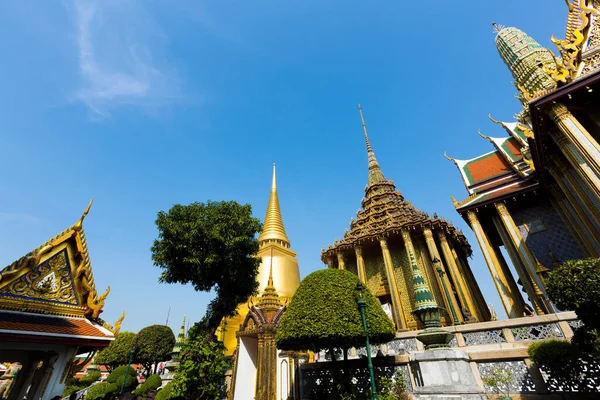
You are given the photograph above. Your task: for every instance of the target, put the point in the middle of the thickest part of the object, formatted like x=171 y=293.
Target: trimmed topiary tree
x=102 y=391
x=558 y=357
x=323 y=314
x=166 y=393
x=118 y=352
x=154 y=344
x=116 y=377
x=152 y=383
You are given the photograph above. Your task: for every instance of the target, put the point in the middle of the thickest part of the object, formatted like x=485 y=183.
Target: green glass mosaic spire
x=423 y=297
x=526 y=59
x=180 y=338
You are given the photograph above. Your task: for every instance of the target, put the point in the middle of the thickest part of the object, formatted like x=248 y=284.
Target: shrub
x=76 y=387
x=558 y=357
x=102 y=391
x=90 y=378
x=314 y=322
x=152 y=383
x=118 y=352
x=165 y=393
x=116 y=377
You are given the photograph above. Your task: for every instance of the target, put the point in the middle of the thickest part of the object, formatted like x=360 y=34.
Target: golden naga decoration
x=116 y=328
x=28 y=261
x=95 y=304
x=570 y=48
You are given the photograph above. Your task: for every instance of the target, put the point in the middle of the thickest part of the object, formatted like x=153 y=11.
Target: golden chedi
x=276 y=256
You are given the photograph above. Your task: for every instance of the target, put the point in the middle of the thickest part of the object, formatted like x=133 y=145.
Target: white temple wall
x=245 y=383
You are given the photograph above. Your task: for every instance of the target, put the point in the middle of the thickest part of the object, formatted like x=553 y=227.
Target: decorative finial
x=497 y=28
x=274 y=183
x=492 y=119
x=449 y=158
x=79 y=224
x=454 y=201
x=273 y=228
x=375 y=174
x=482 y=135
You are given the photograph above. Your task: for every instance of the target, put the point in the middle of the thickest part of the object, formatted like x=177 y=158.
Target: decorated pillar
x=481 y=308
x=433 y=253
x=330 y=263
x=581 y=149
x=360 y=265
x=455 y=273
x=341 y=263
x=397 y=310
x=506 y=287
x=571 y=220
x=529 y=261
x=516 y=261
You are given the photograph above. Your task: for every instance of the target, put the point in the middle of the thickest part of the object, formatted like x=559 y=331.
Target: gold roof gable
x=56 y=278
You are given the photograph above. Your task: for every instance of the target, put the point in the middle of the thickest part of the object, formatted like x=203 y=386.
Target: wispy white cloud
x=119 y=57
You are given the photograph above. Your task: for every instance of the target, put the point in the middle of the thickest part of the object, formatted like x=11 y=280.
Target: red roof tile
x=488 y=167
x=514 y=146
x=49 y=325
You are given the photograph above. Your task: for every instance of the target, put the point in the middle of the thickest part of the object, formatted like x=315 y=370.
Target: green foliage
x=499 y=379
x=575 y=285
x=116 y=377
x=166 y=393
x=90 y=378
x=76 y=385
x=210 y=246
x=154 y=344
x=152 y=383
x=102 y=391
x=323 y=314
x=559 y=358
x=118 y=352
x=201 y=371
x=393 y=388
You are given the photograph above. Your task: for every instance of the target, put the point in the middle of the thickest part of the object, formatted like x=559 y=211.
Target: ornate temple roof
x=273 y=227
x=56 y=278
x=385 y=211
x=180 y=338
x=501 y=172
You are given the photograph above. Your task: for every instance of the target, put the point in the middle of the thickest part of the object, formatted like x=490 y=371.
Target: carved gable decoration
x=56 y=278
x=51 y=281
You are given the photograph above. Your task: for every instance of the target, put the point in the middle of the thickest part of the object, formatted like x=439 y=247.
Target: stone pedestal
x=444 y=374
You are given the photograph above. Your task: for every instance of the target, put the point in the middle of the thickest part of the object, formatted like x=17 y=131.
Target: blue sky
x=143 y=104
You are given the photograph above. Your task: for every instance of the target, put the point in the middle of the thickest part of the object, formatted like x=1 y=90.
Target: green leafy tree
x=575 y=285
x=102 y=391
x=118 y=352
x=154 y=344
x=210 y=245
x=152 y=383
x=201 y=371
x=323 y=314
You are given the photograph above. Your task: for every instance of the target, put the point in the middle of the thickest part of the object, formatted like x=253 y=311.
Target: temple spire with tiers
x=375 y=173
x=273 y=229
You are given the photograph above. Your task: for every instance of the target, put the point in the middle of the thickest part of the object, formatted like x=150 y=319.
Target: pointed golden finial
x=482 y=135
x=79 y=224
x=493 y=120
x=454 y=201
x=497 y=28
x=273 y=228
x=449 y=158
x=375 y=174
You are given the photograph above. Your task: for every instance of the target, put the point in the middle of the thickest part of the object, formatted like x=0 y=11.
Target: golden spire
x=269 y=300
x=273 y=226
x=375 y=174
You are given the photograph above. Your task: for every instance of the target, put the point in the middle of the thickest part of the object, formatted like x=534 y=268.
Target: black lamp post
x=131 y=354
x=362 y=305
x=440 y=271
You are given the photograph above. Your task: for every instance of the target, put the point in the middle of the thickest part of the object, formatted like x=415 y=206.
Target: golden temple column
x=341 y=263
x=330 y=263
x=516 y=261
x=506 y=287
x=360 y=265
x=433 y=253
x=397 y=310
x=582 y=150
x=481 y=308
x=455 y=274
x=527 y=258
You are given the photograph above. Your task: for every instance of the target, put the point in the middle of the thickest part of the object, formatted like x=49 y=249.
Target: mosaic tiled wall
x=544 y=231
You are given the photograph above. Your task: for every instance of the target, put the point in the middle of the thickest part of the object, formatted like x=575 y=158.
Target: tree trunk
x=338 y=377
